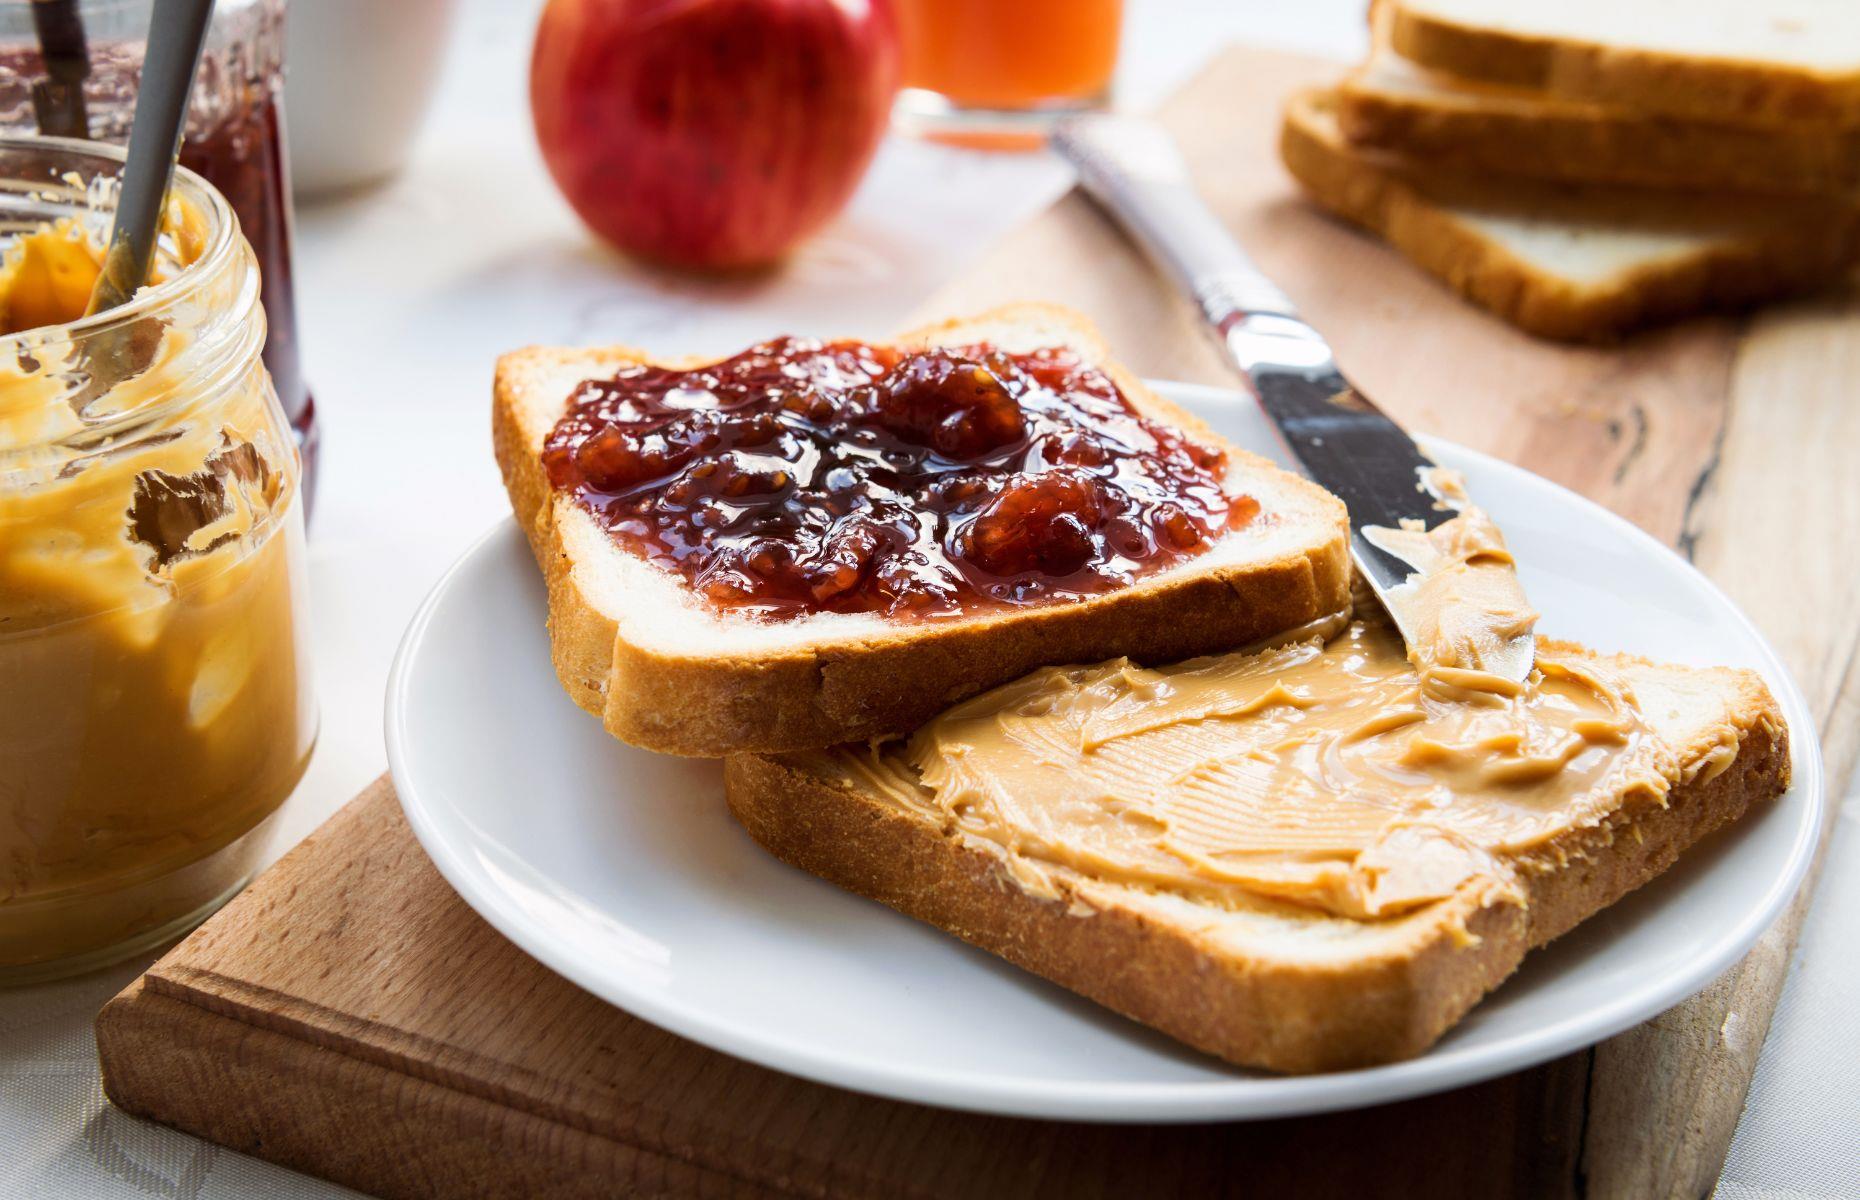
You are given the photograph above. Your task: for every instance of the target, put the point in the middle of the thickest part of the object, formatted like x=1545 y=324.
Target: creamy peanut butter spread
x=151 y=706
x=1323 y=774
x=1352 y=775
x=1462 y=610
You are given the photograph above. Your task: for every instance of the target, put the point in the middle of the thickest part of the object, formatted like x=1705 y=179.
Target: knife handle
x=1132 y=167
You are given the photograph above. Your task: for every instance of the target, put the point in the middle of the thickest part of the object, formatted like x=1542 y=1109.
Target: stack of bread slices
x=1588 y=167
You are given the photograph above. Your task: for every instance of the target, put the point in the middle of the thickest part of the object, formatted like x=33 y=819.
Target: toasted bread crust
x=1276 y=1014
x=1787 y=258
x=1582 y=143
x=1713 y=89
x=709 y=705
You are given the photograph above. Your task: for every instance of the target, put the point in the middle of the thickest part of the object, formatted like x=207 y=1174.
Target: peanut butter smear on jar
x=153 y=710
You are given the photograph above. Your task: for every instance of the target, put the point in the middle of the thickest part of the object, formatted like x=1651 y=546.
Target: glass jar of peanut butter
x=73 y=68
x=155 y=708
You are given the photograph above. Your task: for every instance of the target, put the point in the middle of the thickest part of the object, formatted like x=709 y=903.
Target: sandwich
x=1294 y=859
x=990 y=633
x=812 y=543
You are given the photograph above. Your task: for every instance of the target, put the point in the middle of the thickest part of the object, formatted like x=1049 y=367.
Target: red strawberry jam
x=802 y=477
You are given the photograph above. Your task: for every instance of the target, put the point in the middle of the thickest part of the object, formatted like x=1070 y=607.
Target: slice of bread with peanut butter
x=1300 y=859
x=666 y=669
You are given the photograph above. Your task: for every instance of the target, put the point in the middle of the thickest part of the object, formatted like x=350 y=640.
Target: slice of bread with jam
x=694 y=634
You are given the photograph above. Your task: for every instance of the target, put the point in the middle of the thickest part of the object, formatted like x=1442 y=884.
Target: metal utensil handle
x=58 y=99
x=1131 y=167
x=177 y=34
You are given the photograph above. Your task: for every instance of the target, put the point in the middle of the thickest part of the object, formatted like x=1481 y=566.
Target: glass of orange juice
x=999 y=72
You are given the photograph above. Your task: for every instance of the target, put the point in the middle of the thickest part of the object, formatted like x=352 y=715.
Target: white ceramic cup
x=359 y=77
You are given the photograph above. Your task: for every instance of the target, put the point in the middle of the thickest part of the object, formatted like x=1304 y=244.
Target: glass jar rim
x=222 y=242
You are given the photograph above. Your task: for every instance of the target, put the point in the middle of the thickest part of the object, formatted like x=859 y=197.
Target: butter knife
x=1132 y=168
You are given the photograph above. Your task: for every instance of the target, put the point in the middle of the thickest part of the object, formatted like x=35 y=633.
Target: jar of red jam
x=71 y=68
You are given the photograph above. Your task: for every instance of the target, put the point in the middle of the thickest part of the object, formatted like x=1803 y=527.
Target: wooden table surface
x=350 y=1016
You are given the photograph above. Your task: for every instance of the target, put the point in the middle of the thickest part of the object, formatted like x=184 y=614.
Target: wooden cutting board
x=350 y=1016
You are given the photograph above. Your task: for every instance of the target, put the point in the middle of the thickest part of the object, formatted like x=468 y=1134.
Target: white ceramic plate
x=623 y=871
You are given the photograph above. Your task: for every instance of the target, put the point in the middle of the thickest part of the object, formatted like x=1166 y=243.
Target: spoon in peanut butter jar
x=177 y=33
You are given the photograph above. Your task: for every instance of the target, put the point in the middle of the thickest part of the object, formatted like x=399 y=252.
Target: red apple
x=714 y=134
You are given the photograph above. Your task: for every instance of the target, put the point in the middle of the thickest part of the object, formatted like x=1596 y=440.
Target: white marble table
x=409 y=292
